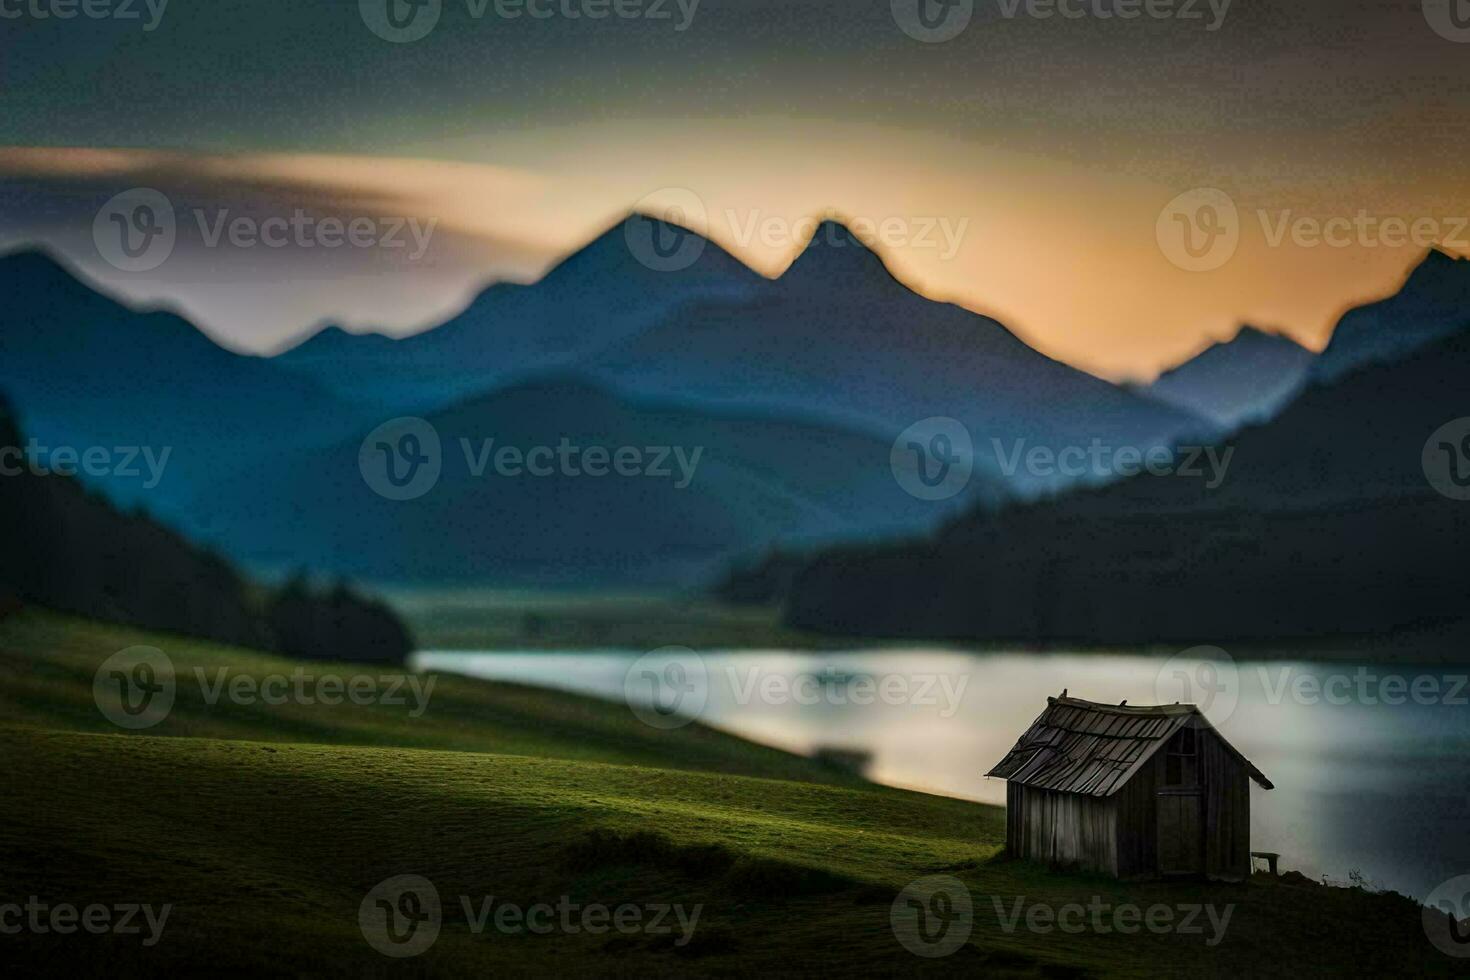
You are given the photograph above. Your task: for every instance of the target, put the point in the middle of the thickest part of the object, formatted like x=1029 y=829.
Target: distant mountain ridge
x=89 y=371
x=836 y=340
x=797 y=387
x=594 y=298
x=1237 y=382
x=1434 y=303
x=1326 y=525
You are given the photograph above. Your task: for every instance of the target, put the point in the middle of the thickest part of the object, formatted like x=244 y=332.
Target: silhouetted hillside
x=703 y=487
x=1434 y=303
x=72 y=550
x=1247 y=379
x=1326 y=524
x=89 y=371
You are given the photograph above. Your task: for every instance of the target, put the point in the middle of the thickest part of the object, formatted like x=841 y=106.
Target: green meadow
x=264 y=827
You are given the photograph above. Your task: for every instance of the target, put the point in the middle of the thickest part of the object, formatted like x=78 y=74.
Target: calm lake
x=1371 y=763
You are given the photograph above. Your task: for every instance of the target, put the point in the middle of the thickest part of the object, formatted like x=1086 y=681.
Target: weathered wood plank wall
x=1063 y=829
x=1119 y=834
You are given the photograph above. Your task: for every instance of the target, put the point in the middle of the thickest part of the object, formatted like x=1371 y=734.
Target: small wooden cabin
x=1135 y=792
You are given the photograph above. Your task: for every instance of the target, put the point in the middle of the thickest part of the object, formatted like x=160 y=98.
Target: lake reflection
x=1371 y=763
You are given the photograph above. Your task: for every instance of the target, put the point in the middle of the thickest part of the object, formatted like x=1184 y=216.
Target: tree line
x=69 y=549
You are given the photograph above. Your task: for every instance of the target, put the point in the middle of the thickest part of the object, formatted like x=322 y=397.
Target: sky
x=1119 y=190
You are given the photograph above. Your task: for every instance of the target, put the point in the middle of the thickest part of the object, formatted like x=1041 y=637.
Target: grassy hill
x=47 y=664
x=265 y=828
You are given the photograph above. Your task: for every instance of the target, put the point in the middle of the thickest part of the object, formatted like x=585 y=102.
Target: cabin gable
x=1131 y=792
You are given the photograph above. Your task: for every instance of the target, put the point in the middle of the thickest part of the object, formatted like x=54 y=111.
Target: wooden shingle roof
x=1093 y=749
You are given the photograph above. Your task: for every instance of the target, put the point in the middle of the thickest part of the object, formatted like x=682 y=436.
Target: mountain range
x=1246 y=380
x=836 y=340
x=1328 y=521
x=87 y=371
x=795 y=389
x=1434 y=303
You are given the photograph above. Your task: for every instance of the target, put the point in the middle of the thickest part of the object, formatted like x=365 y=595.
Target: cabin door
x=1181 y=833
